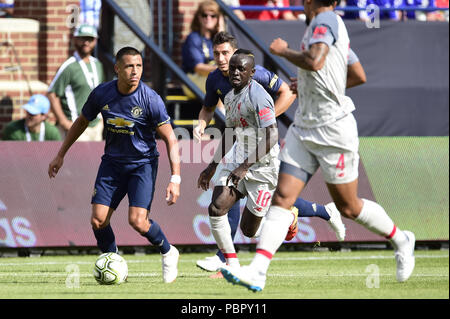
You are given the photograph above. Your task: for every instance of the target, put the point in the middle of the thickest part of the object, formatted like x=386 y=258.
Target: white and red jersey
x=249 y=112
x=321 y=94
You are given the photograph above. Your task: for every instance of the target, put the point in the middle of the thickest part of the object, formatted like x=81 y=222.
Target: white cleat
x=212 y=263
x=405 y=259
x=336 y=221
x=170 y=264
x=244 y=276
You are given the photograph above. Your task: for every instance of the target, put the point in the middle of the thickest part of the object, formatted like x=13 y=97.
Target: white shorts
x=258 y=185
x=333 y=148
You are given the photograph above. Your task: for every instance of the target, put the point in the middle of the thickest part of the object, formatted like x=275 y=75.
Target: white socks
x=272 y=235
x=375 y=218
x=221 y=230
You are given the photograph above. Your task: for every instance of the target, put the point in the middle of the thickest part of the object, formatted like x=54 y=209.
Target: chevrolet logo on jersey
x=120 y=122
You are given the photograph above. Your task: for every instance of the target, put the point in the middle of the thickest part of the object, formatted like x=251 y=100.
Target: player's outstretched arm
x=355 y=75
x=204 y=118
x=165 y=131
x=225 y=145
x=311 y=60
x=262 y=149
x=284 y=100
x=74 y=132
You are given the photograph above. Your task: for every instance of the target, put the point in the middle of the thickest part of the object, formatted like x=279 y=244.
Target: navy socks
x=105 y=239
x=156 y=236
x=310 y=209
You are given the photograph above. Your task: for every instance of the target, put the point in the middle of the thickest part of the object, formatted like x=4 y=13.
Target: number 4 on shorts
x=341 y=165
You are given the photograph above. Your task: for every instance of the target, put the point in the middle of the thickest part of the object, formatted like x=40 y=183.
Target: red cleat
x=293 y=229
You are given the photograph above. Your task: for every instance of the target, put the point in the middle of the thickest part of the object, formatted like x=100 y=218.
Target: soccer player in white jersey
x=324 y=134
x=253 y=169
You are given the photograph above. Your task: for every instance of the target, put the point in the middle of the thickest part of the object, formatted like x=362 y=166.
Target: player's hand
x=237 y=175
x=172 y=193
x=54 y=166
x=293 y=85
x=205 y=177
x=198 y=133
x=278 y=46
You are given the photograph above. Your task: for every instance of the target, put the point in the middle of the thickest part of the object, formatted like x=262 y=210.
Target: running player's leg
x=273 y=233
x=108 y=192
x=141 y=188
x=372 y=216
x=101 y=227
x=222 y=200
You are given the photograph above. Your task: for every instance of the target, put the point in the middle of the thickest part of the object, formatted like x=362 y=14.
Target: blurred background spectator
x=34 y=126
x=197 y=49
x=269 y=14
x=73 y=83
x=235 y=3
x=90 y=12
x=6 y=12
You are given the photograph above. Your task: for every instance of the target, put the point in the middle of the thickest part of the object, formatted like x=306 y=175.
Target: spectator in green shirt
x=34 y=126
x=74 y=81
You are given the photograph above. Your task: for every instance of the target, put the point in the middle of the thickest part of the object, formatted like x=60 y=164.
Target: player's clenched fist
x=54 y=166
x=198 y=132
x=205 y=177
x=278 y=46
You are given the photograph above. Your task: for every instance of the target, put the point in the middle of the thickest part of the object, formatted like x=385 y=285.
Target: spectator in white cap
x=34 y=126
x=73 y=83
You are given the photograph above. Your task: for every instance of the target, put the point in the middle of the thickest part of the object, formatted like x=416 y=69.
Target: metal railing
x=346 y=8
x=165 y=57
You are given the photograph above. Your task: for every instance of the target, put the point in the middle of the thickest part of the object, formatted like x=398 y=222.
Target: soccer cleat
x=212 y=263
x=293 y=229
x=335 y=221
x=170 y=264
x=216 y=275
x=244 y=276
x=405 y=259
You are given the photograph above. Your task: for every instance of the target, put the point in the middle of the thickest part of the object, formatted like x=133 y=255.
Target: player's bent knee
x=347 y=211
x=214 y=210
x=97 y=223
x=141 y=225
x=282 y=199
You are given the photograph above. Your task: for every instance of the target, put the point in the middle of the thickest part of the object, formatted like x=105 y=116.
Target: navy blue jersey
x=218 y=85
x=130 y=121
x=196 y=49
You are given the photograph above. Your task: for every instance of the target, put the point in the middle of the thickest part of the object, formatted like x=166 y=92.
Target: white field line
x=203 y=275
x=151 y=260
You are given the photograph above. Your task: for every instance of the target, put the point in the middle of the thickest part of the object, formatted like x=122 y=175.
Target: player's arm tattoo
x=311 y=60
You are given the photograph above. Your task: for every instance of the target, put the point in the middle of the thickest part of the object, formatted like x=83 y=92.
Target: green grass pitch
x=292 y=275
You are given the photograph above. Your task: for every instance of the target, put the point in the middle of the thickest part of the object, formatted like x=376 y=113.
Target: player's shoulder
x=148 y=91
x=215 y=75
x=256 y=91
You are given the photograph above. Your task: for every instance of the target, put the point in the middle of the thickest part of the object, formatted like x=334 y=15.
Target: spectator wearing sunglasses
x=197 y=50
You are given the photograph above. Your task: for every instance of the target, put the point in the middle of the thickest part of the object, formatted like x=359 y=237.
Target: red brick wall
x=54 y=35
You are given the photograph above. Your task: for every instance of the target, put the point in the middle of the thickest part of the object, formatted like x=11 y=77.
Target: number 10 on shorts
x=263 y=198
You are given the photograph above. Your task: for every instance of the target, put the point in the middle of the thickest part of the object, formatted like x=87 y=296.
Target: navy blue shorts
x=114 y=180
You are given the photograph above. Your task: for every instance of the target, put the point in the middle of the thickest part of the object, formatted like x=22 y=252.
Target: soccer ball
x=110 y=269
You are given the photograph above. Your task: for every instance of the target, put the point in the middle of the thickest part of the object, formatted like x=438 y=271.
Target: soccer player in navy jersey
x=217 y=86
x=132 y=114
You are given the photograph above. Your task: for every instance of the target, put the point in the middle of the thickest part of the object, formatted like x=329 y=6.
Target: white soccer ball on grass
x=110 y=269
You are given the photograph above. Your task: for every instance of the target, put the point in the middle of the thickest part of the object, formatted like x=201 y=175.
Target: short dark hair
x=249 y=54
x=126 y=51
x=225 y=37
x=327 y=3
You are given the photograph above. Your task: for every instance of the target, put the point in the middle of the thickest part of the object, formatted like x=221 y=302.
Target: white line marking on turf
x=151 y=260
x=203 y=275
